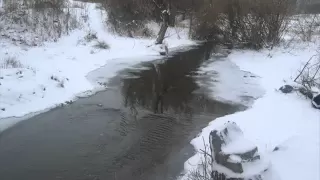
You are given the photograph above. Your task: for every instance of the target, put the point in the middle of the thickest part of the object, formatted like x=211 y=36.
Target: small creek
x=138 y=129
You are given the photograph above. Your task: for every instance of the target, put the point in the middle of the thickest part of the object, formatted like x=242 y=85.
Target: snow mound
x=234 y=156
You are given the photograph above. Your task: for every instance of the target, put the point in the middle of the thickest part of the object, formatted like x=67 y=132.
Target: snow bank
x=56 y=72
x=230 y=83
x=284 y=127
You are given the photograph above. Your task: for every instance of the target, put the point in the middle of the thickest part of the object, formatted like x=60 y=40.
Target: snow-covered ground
x=230 y=83
x=48 y=75
x=285 y=121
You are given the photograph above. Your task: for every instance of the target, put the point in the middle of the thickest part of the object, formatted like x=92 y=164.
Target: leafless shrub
x=305 y=26
x=145 y=32
x=11 y=62
x=203 y=170
x=90 y=36
x=79 y=5
x=208 y=20
x=128 y=17
x=252 y=23
x=38 y=20
x=101 y=45
x=10 y=6
x=265 y=23
x=309 y=75
x=125 y=17
x=42 y=4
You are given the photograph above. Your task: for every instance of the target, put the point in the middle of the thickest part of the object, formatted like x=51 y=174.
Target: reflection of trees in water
x=166 y=86
x=38 y=20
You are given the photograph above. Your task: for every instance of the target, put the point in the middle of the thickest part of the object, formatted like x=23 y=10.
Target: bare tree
x=305 y=26
x=165 y=21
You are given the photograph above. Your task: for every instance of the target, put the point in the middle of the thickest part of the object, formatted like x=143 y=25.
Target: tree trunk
x=232 y=17
x=172 y=17
x=163 y=28
x=162 y=33
x=190 y=25
x=191 y=19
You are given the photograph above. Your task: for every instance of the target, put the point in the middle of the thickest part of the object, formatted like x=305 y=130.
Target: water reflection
x=168 y=86
x=166 y=109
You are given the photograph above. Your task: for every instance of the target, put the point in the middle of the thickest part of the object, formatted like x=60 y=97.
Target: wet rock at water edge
x=162 y=53
x=69 y=102
x=316 y=101
x=286 y=89
x=221 y=176
x=276 y=149
x=231 y=151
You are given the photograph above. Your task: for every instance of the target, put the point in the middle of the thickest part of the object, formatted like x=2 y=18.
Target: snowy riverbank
x=54 y=73
x=287 y=122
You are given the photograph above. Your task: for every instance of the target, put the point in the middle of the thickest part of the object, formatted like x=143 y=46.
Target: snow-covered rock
x=286 y=89
x=234 y=156
x=316 y=101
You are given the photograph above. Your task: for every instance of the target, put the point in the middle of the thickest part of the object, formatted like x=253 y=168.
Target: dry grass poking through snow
x=10 y=62
x=91 y=36
x=203 y=170
x=101 y=45
x=309 y=75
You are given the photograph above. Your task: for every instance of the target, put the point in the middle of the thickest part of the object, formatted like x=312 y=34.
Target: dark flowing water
x=139 y=129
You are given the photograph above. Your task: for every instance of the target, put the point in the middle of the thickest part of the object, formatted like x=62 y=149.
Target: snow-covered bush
x=35 y=21
x=10 y=62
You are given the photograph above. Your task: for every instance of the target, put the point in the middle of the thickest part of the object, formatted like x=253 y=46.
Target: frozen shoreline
x=275 y=120
x=57 y=71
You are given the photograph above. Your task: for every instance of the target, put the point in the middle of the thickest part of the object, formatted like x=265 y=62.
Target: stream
x=139 y=128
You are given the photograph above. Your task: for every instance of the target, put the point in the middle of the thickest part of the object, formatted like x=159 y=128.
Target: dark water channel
x=139 y=129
